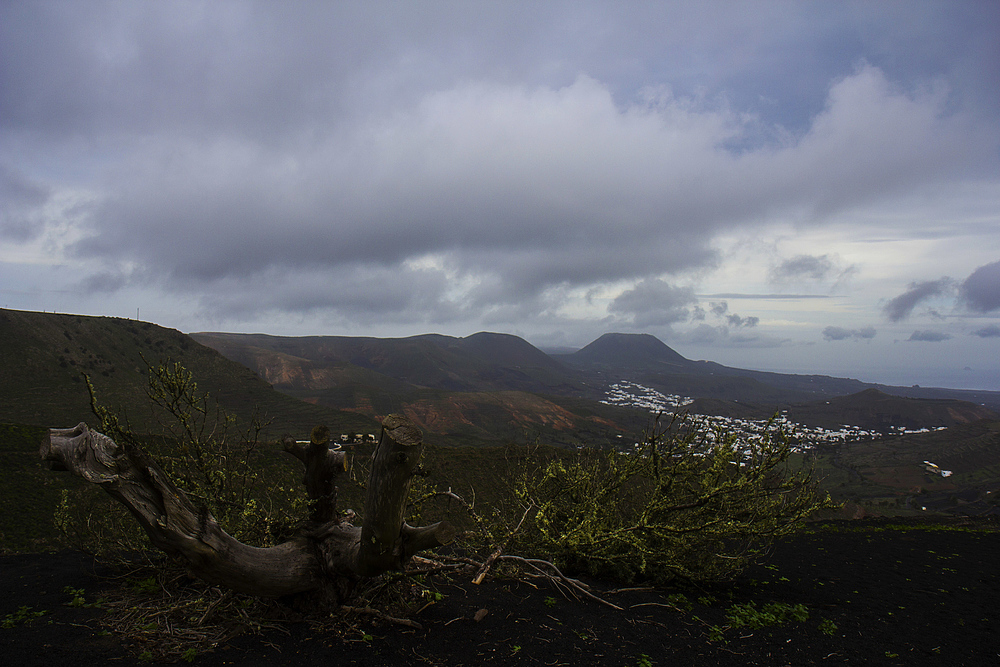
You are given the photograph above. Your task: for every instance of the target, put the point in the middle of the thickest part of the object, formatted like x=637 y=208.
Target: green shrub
x=688 y=503
x=773 y=613
x=215 y=463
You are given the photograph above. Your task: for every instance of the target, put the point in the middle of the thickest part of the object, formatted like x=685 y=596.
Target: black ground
x=876 y=592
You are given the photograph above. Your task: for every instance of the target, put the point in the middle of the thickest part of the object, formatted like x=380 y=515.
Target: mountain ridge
x=484 y=387
x=44 y=356
x=486 y=362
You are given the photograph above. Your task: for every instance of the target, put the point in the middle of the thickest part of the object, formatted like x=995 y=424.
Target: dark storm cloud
x=840 y=333
x=105 y=281
x=654 y=303
x=836 y=333
x=981 y=290
x=20 y=198
x=989 y=331
x=443 y=160
x=817 y=268
x=721 y=308
x=804 y=266
x=263 y=67
x=900 y=307
x=735 y=320
x=929 y=336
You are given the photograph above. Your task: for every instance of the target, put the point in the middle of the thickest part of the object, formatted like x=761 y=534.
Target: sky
x=808 y=187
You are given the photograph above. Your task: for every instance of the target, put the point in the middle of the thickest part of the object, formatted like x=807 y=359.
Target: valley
x=870 y=444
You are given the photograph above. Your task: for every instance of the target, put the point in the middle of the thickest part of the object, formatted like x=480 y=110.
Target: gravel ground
x=873 y=593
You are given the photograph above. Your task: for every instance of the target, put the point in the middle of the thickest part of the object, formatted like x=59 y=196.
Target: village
x=632 y=394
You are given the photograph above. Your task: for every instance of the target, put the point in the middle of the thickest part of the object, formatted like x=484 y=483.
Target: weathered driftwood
x=329 y=553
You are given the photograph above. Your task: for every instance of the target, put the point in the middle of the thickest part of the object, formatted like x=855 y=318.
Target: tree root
x=368 y=611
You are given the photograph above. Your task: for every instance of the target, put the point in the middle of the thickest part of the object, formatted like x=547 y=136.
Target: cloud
x=989 y=331
x=929 y=336
x=720 y=309
x=515 y=189
x=20 y=199
x=839 y=333
x=735 y=320
x=443 y=163
x=981 y=290
x=815 y=268
x=900 y=307
x=723 y=336
x=654 y=303
x=803 y=266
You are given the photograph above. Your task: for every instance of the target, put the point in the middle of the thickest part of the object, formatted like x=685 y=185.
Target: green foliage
x=749 y=616
x=78 y=598
x=203 y=451
x=146 y=586
x=688 y=503
x=680 y=601
x=773 y=613
x=23 y=615
x=827 y=627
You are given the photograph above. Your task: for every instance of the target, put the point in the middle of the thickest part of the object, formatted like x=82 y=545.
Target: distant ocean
x=949 y=378
x=988 y=380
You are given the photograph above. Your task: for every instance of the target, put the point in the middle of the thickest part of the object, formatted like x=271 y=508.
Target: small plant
x=78 y=598
x=23 y=615
x=189 y=655
x=680 y=601
x=147 y=586
x=432 y=596
x=77 y=595
x=643 y=661
x=827 y=627
x=550 y=601
x=773 y=613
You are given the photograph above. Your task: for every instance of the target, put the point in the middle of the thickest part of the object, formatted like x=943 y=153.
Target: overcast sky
x=795 y=186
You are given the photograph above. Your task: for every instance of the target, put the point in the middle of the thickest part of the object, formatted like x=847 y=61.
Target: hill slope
x=629 y=351
x=43 y=358
x=481 y=362
x=645 y=359
x=487 y=383
x=485 y=387
x=874 y=410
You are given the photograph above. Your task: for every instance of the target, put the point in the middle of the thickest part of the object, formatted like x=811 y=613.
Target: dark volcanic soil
x=923 y=595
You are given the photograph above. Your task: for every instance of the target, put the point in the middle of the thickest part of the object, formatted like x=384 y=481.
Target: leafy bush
x=688 y=503
x=200 y=447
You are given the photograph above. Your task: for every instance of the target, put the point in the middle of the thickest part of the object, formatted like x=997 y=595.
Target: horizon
x=806 y=187
x=984 y=381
